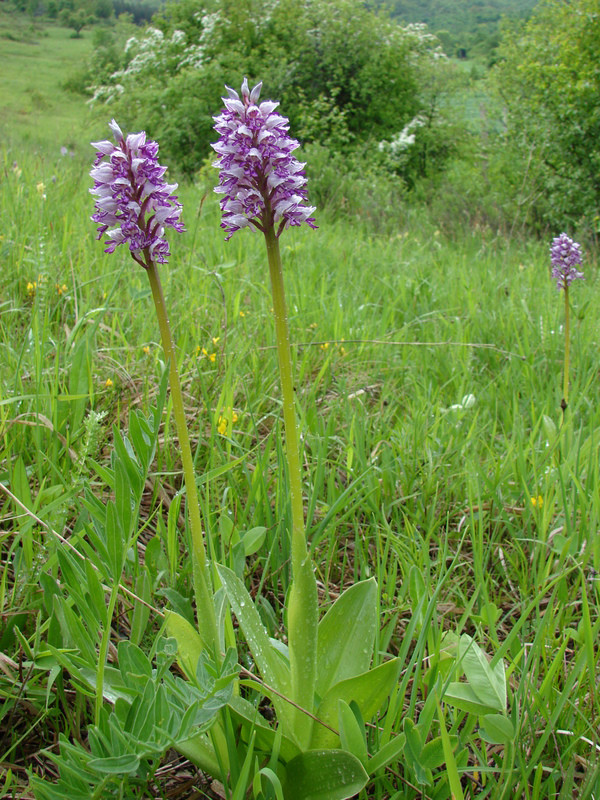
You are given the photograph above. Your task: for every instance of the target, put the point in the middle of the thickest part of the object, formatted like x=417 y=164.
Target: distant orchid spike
x=262 y=182
x=565 y=255
x=134 y=203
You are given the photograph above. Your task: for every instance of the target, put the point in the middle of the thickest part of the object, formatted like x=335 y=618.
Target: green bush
x=549 y=81
x=346 y=77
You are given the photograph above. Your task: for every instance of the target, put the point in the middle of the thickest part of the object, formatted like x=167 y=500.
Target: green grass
x=390 y=333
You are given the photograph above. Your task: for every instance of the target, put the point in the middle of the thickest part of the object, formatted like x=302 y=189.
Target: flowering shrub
x=344 y=74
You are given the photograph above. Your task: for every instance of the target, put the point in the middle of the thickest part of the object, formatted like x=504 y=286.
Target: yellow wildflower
x=109 y=384
x=31 y=287
x=61 y=288
x=223 y=423
x=324 y=346
x=537 y=502
x=202 y=351
x=215 y=339
x=146 y=349
x=242 y=314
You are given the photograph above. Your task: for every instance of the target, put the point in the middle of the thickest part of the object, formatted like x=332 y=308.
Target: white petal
x=115 y=129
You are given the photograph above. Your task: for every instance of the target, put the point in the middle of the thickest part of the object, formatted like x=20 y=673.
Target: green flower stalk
x=134 y=205
x=565 y=255
x=264 y=188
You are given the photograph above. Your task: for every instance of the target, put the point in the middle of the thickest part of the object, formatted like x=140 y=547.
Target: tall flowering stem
x=264 y=188
x=134 y=205
x=565 y=256
x=566 y=366
x=299 y=550
x=205 y=608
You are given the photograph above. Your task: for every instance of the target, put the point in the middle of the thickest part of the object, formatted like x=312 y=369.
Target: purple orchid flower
x=262 y=182
x=134 y=204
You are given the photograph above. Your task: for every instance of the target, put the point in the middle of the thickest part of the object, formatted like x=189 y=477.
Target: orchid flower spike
x=134 y=204
x=262 y=182
x=565 y=255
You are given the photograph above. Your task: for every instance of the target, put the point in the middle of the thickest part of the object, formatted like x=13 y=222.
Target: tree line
x=384 y=115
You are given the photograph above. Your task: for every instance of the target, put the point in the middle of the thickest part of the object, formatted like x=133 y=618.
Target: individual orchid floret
x=134 y=204
x=565 y=255
x=262 y=182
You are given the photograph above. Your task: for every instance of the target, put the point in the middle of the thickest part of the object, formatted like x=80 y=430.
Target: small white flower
x=467 y=402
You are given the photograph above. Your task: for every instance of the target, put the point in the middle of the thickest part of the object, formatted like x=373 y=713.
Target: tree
x=77 y=19
x=344 y=75
x=549 y=79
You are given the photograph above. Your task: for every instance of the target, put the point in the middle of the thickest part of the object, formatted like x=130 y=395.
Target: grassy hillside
x=36 y=111
x=462 y=25
x=459 y=16
x=435 y=458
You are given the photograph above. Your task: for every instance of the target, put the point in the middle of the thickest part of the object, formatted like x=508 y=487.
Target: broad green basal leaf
x=347 y=635
x=369 y=691
x=462 y=696
x=189 y=642
x=386 y=754
x=496 y=729
x=323 y=775
x=352 y=732
x=272 y=667
x=488 y=683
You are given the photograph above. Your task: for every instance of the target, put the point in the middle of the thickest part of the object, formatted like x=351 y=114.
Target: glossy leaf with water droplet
x=273 y=669
x=324 y=775
x=370 y=691
x=347 y=635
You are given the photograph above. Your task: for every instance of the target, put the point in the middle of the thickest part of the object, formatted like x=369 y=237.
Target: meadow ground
x=435 y=454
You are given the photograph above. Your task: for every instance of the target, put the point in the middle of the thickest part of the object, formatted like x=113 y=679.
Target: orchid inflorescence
x=134 y=203
x=262 y=182
x=565 y=255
